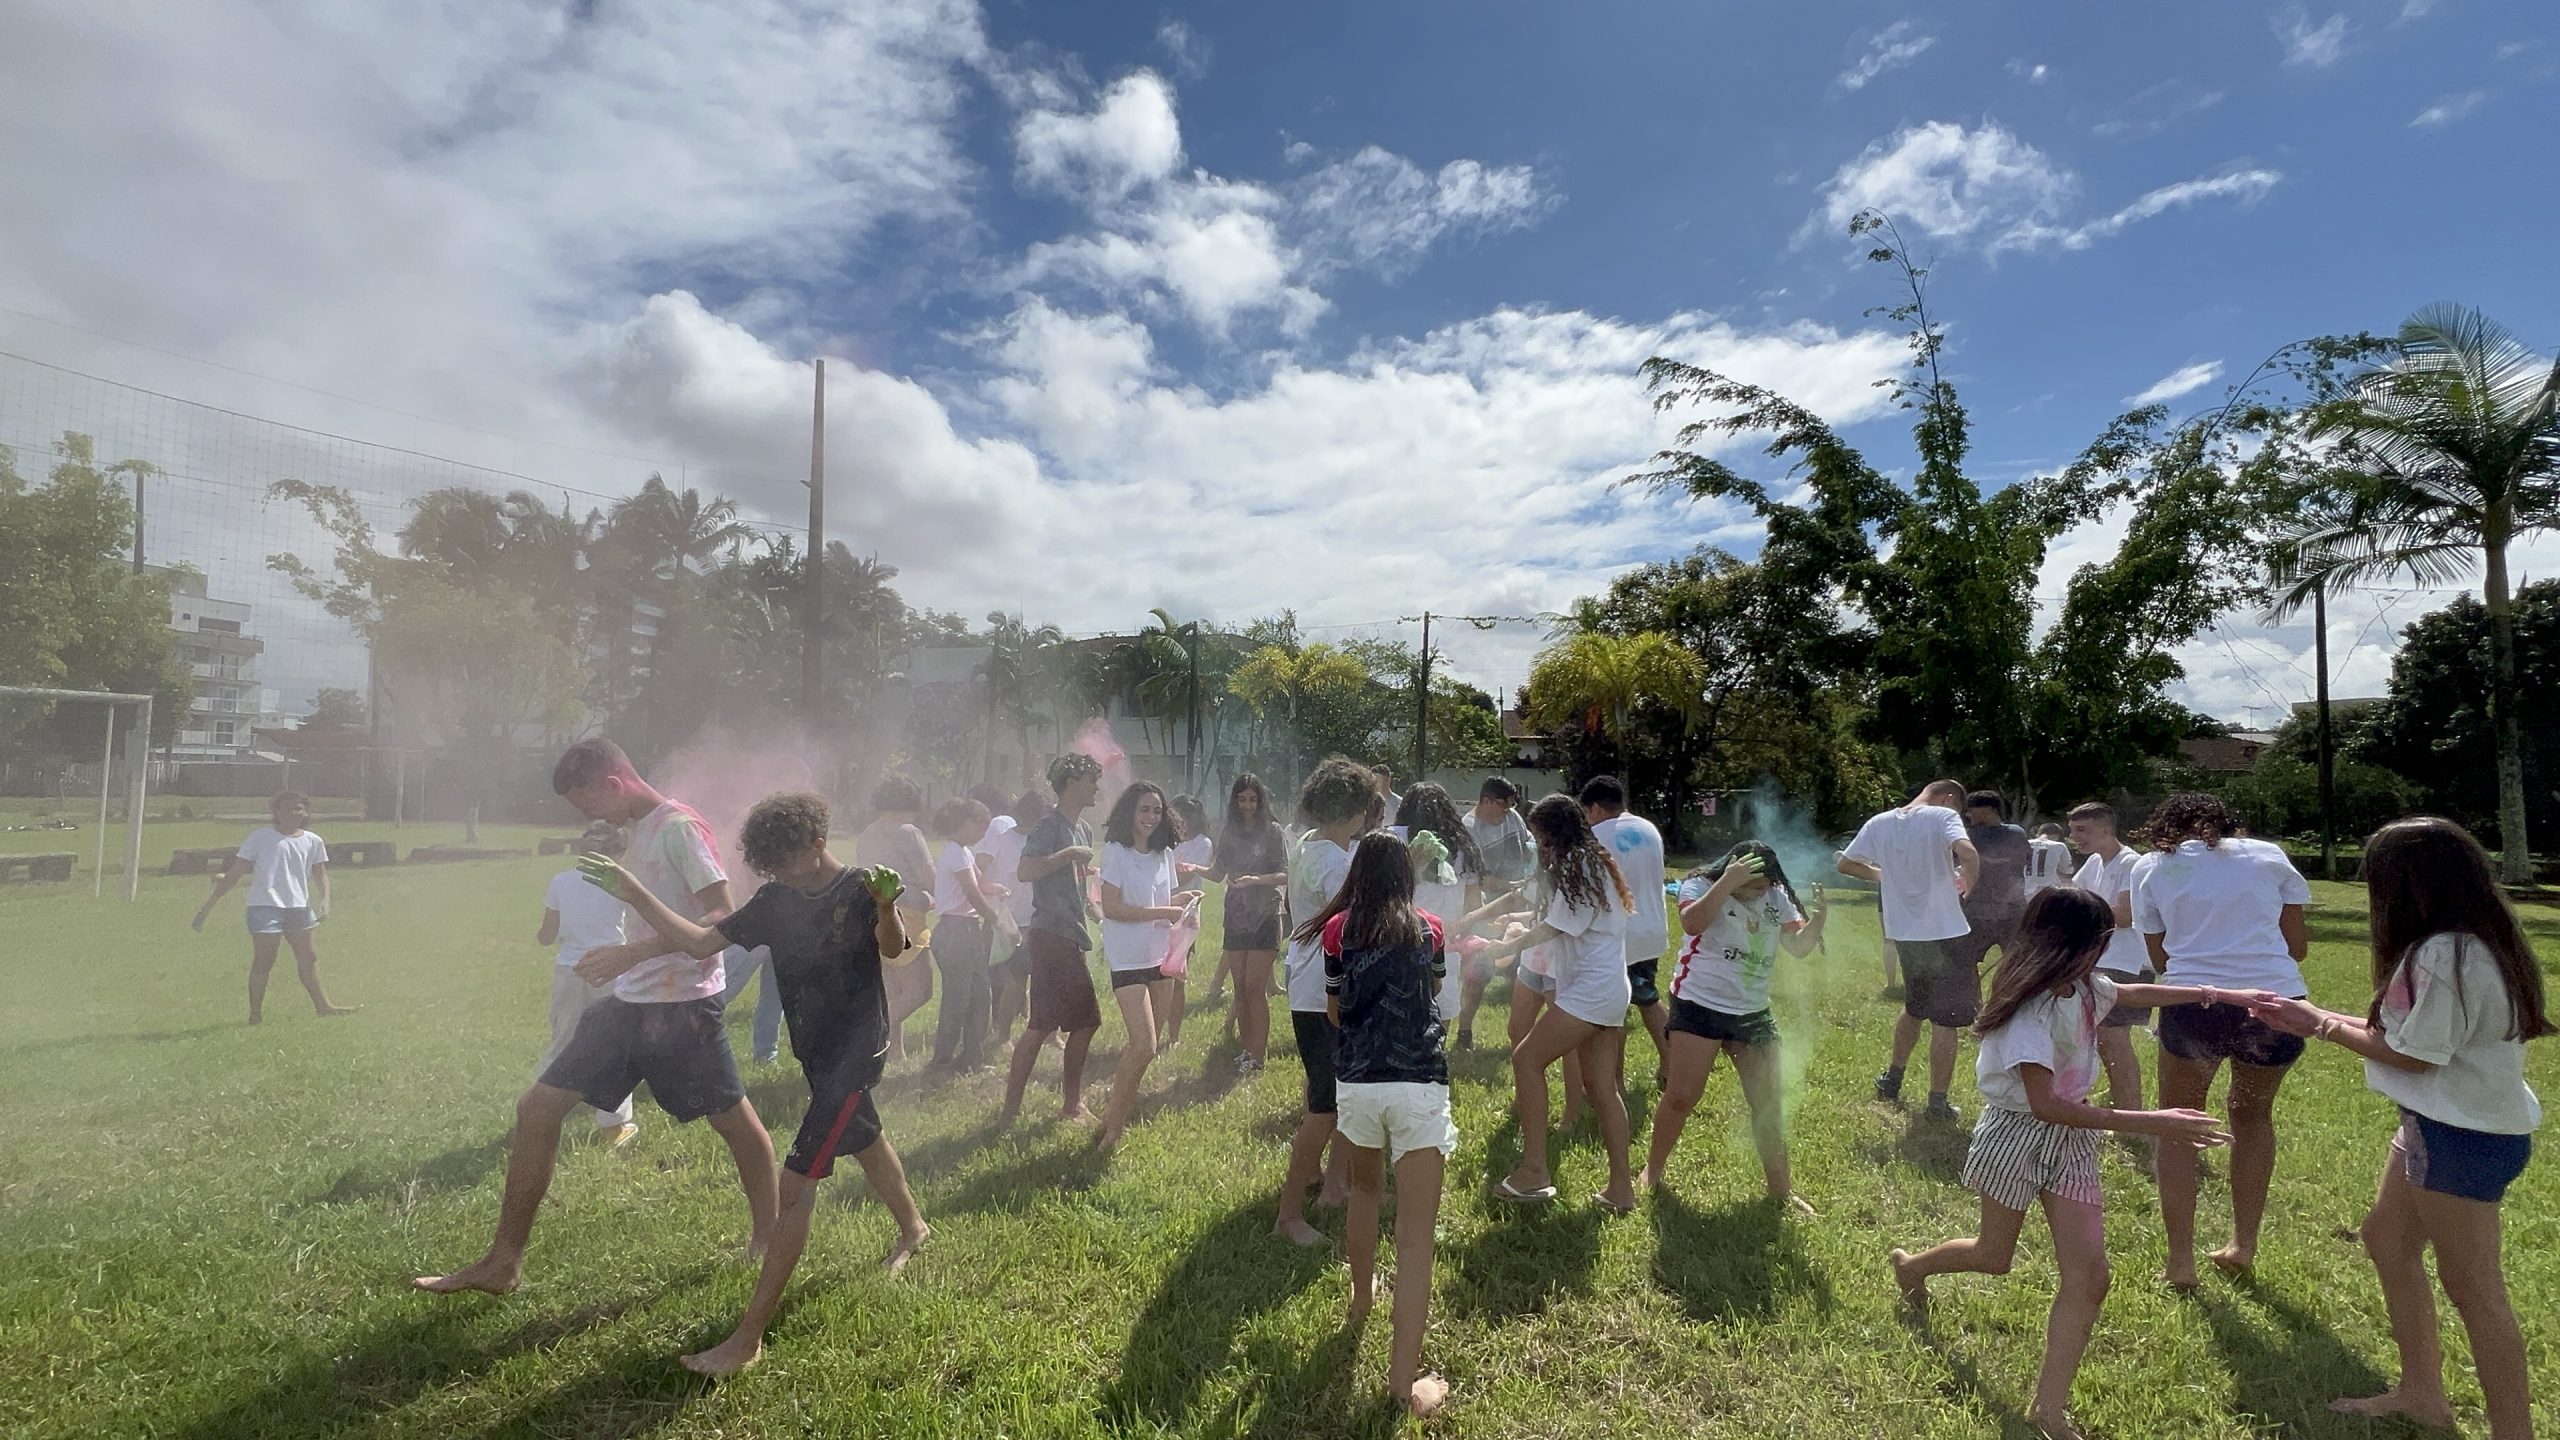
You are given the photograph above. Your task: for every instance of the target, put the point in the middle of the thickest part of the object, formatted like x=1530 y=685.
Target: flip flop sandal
x=1507 y=1191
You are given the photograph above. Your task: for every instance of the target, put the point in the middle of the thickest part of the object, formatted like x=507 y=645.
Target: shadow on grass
x=1187 y=1332
x=438 y=1345
x=1932 y=1147
x=1053 y=1169
x=1739 y=1262
x=2286 y=1364
x=145 y=1037
x=1527 y=1256
x=1310 y=1394
x=1964 y=1384
x=459 y=1168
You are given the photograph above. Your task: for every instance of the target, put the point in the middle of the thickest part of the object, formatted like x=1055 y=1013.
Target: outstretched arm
x=2186 y=1127
x=678 y=934
x=2354 y=1032
x=222 y=884
x=1535 y=935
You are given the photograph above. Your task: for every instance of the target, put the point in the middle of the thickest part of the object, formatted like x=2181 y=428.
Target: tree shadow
x=1309 y=1393
x=1933 y=1148
x=436 y=1345
x=1186 y=1334
x=634 y=1392
x=1739 y=1262
x=1057 y=1169
x=2282 y=1382
x=1526 y=1256
x=459 y=1168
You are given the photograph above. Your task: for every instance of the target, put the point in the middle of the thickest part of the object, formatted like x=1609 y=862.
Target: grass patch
x=208 y=1229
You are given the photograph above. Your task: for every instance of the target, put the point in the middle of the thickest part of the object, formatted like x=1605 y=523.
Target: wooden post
x=106 y=782
x=814 y=608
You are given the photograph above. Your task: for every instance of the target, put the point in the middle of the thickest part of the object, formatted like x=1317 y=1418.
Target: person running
x=1384 y=957
x=661 y=1023
x=1447 y=874
x=965 y=920
x=1251 y=858
x=1193 y=857
x=830 y=929
x=895 y=838
x=1636 y=845
x=1737 y=914
x=1997 y=897
x=1011 y=976
x=2457 y=993
x=288 y=868
x=1922 y=866
x=577 y=917
x=1341 y=800
x=1057 y=855
x=2108 y=874
x=1503 y=843
x=2216 y=909
x=1585 y=910
x=2036 y=1143
x=1139 y=912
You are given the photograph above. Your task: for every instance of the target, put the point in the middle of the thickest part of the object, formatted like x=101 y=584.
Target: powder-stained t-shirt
x=1726 y=967
x=1057 y=899
x=672 y=857
x=1637 y=846
x=2059 y=1033
x=826 y=959
x=1391 y=1031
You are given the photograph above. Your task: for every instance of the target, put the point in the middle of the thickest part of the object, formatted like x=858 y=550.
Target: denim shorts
x=2452 y=1160
x=280 y=919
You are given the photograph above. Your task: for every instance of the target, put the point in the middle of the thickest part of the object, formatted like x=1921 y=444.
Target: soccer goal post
x=137 y=767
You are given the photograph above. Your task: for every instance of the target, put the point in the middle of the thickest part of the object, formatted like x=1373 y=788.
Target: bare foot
x=2232 y=1260
x=617 y=1136
x=1078 y=1115
x=328 y=1010
x=1298 y=1232
x=255 y=1018
x=2054 y=1427
x=1428 y=1395
x=726 y=1358
x=2179 y=1274
x=905 y=1250
x=1797 y=1206
x=1915 y=1288
x=2429 y=1410
x=1107 y=1141
x=1648 y=1178
x=753 y=1254
x=489 y=1277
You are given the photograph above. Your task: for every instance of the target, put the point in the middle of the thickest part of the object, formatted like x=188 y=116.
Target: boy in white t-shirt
x=1922 y=865
x=1636 y=845
x=578 y=917
x=288 y=866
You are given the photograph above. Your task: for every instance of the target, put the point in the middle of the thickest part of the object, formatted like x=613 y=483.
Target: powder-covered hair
x=1071 y=767
x=588 y=761
x=785 y=824
x=1427 y=806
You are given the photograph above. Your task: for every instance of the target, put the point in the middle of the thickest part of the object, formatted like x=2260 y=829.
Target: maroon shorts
x=1062 y=995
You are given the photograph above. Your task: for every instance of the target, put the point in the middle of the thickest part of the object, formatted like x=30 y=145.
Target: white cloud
x=2416 y=9
x=1380 y=211
x=1986 y=186
x=2510 y=49
x=1891 y=48
x=2448 y=109
x=2154 y=109
x=1188 y=49
x=2034 y=73
x=2316 y=45
x=1129 y=139
x=2185 y=380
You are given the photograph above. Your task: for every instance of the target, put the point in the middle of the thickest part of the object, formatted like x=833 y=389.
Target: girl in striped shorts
x=2037 y=1141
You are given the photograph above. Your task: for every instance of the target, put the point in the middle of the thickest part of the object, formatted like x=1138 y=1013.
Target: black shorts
x=2211 y=1034
x=1691 y=1018
x=1252 y=933
x=1315 y=1051
x=840 y=1120
x=1062 y=995
x=678 y=1047
x=1644 y=983
x=1148 y=976
x=1939 y=984
x=2125 y=1017
x=1994 y=929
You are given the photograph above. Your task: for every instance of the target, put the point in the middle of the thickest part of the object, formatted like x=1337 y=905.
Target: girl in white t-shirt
x=1191 y=858
x=288 y=868
x=2037 y=1140
x=1736 y=916
x=1139 y=911
x=2456 y=994
x=1446 y=867
x=1341 y=799
x=965 y=919
x=1586 y=904
x=2217 y=909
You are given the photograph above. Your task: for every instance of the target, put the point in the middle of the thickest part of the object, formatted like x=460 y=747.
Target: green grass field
x=208 y=1230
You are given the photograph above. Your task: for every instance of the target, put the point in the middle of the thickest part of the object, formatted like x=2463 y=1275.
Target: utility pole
x=140 y=472
x=1191 y=771
x=2328 y=761
x=813 y=610
x=1422 y=710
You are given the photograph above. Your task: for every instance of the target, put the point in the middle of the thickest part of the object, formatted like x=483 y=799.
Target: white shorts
x=1596 y=994
x=1397 y=1116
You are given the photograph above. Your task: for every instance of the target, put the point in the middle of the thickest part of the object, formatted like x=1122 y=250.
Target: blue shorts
x=280 y=919
x=2450 y=1160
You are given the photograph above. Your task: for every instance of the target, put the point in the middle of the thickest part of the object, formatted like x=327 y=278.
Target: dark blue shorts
x=2450 y=1160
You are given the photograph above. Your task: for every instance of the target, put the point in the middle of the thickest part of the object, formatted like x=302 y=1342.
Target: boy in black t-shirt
x=830 y=929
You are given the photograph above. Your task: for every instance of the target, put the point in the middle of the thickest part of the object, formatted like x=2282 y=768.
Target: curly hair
x=1338 y=789
x=2191 y=816
x=1429 y=807
x=953 y=816
x=1579 y=869
x=1121 y=828
x=783 y=825
x=1071 y=767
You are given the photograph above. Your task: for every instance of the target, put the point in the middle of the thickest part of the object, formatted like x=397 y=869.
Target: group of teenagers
x=1386 y=916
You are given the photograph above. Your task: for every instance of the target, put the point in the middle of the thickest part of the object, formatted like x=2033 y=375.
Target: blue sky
x=1229 y=307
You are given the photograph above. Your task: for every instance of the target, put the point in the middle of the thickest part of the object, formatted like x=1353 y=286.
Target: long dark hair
x=1122 y=827
x=1263 y=817
x=1429 y=807
x=2426 y=877
x=1770 y=869
x=1579 y=869
x=2191 y=816
x=1376 y=895
x=2059 y=941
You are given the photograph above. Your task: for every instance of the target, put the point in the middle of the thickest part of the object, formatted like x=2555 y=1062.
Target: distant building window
x=219 y=627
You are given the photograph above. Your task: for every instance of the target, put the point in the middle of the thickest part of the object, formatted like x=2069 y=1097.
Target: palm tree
x=1014 y=652
x=666 y=534
x=1274 y=678
x=2449 y=453
x=1599 y=681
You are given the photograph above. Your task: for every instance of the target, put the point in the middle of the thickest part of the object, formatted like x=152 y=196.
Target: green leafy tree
x=1601 y=683
x=2449 y=453
x=1290 y=686
x=2437 y=726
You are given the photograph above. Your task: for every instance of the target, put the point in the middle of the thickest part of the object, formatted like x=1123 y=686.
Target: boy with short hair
x=2108 y=874
x=1057 y=855
x=1502 y=838
x=1635 y=843
x=661 y=1023
x=288 y=866
x=830 y=929
x=577 y=917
